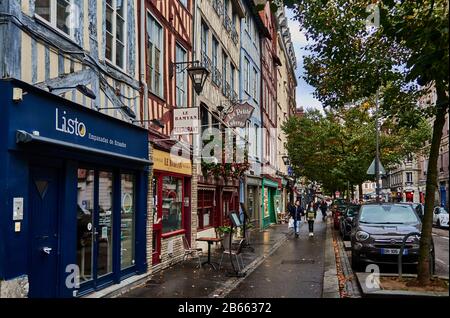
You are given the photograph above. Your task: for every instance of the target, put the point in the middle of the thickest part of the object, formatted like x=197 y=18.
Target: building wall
x=40 y=54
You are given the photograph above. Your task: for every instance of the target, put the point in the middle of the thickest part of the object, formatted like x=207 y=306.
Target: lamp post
x=377 y=159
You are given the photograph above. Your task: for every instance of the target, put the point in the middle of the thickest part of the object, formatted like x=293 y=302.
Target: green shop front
x=269 y=191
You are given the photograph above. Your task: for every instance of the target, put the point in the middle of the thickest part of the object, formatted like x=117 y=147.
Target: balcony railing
x=217 y=6
x=226 y=89
x=206 y=62
x=216 y=76
x=228 y=25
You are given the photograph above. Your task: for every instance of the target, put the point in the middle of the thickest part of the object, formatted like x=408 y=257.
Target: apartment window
x=246 y=74
x=409 y=178
x=225 y=7
x=256 y=142
x=115 y=32
x=181 y=81
x=57 y=13
x=154 y=56
x=215 y=49
x=232 y=76
x=255 y=85
x=224 y=68
x=204 y=38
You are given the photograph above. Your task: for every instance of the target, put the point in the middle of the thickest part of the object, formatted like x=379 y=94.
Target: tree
x=403 y=57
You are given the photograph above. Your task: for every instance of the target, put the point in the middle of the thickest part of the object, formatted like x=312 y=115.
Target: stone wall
x=15 y=288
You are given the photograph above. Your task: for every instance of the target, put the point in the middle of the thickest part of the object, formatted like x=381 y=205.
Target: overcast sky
x=305 y=96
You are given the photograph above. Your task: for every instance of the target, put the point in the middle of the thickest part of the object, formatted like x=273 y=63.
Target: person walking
x=324 y=208
x=296 y=213
x=311 y=214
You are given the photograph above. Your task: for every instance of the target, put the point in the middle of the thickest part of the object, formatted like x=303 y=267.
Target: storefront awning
x=23 y=137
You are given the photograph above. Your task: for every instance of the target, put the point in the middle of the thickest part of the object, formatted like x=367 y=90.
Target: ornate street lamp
x=196 y=72
x=286 y=160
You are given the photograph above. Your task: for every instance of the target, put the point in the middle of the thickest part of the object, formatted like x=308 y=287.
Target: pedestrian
x=296 y=213
x=311 y=214
x=324 y=208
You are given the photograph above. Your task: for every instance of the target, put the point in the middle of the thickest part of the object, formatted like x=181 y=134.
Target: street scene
x=224 y=149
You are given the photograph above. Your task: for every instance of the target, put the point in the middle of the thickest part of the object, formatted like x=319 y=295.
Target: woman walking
x=296 y=213
x=311 y=214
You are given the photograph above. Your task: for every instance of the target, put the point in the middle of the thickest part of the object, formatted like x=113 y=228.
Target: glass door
x=94 y=225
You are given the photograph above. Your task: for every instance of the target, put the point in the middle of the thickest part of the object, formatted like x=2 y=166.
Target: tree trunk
x=423 y=269
x=361 y=195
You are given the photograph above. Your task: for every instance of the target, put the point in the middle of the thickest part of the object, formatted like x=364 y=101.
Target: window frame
x=53 y=15
x=113 y=61
x=183 y=74
x=151 y=68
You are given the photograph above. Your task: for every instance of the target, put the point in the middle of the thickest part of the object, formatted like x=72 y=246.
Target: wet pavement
x=295 y=270
x=186 y=280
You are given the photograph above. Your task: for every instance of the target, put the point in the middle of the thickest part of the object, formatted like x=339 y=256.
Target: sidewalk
x=185 y=280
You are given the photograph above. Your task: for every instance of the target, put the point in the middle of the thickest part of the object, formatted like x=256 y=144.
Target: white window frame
x=114 y=35
x=53 y=19
x=161 y=59
x=254 y=92
x=179 y=75
x=246 y=75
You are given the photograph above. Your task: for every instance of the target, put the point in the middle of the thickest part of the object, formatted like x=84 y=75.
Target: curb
x=232 y=283
x=330 y=287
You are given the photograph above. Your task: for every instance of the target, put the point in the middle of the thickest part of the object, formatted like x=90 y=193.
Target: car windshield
x=388 y=214
x=352 y=210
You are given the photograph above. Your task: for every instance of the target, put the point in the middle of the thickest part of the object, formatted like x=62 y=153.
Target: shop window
x=85 y=221
x=172 y=204
x=155 y=53
x=127 y=227
x=105 y=200
x=205 y=209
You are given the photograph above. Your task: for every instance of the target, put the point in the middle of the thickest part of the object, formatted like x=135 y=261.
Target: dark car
x=346 y=220
x=378 y=232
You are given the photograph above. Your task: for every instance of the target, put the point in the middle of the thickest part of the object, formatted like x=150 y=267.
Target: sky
x=304 y=96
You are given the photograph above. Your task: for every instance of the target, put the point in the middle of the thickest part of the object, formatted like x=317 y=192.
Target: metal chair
x=193 y=252
x=234 y=251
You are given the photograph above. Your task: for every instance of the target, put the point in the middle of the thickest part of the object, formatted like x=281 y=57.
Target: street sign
x=371 y=169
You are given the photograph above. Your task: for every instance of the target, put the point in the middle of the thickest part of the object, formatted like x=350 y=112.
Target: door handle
x=47 y=250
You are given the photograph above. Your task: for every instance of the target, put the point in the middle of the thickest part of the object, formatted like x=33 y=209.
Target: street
x=440 y=237
x=295 y=270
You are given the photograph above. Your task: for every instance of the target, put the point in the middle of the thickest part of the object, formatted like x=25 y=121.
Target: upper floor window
x=204 y=39
x=246 y=74
x=115 y=32
x=224 y=66
x=215 y=49
x=232 y=75
x=255 y=85
x=154 y=56
x=181 y=96
x=409 y=177
x=58 y=13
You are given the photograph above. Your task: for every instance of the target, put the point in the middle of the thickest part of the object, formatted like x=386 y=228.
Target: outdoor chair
x=234 y=251
x=192 y=252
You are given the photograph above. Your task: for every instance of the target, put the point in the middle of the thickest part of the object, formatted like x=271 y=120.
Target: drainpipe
x=142 y=62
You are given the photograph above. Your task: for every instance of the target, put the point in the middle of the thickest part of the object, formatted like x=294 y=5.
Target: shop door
x=157 y=221
x=43 y=193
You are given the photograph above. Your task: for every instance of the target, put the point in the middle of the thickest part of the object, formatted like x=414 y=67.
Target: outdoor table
x=210 y=241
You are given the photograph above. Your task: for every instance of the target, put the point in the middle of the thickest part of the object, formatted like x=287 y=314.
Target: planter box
x=381 y=293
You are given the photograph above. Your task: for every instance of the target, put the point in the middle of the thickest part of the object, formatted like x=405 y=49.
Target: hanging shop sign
x=239 y=116
x=186 y=121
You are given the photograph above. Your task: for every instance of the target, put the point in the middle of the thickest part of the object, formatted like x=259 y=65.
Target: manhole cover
x=297 y=261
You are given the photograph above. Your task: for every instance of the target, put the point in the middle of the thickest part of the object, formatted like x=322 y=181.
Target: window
x=181 y=81
x=154 y=56
x=224 y=71
x=204 y=38
x=115 y=32
x=172 y=204
x=205 y=208
x=255 y=85
x=127 y=226
x=105 y=207
x=409 y=177
x=246 y=75
x=215 y=49
x=256 y=142
x=232 y=75
x=56 y=13
x=184 y=3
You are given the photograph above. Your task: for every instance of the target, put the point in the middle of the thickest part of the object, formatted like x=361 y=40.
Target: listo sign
x=69 y=126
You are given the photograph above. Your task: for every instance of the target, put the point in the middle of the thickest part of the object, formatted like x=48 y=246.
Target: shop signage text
x=240 y=115
x=185 y=121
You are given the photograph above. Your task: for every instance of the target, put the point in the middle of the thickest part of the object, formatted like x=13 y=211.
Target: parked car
x=440 y=217
x=346 y=220
x=378 y=232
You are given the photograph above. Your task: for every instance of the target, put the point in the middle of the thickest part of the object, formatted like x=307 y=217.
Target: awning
x=23 y=137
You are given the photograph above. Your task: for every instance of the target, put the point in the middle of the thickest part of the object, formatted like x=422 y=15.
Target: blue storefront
x=73 y=187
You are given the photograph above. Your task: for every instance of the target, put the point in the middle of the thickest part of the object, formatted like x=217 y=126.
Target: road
x=295 y=270
x=441 y=242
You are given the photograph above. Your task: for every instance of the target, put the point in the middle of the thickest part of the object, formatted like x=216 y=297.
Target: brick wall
x=150 y=213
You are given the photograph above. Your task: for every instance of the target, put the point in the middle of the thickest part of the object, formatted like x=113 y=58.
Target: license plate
x=393 y=251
